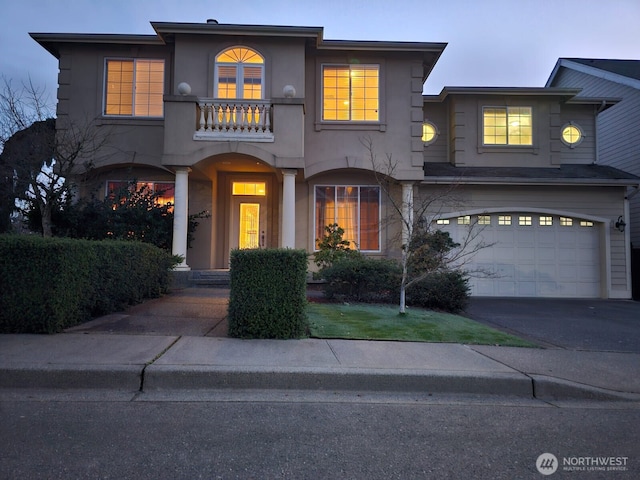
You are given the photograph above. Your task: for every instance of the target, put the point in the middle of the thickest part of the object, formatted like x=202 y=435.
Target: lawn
x=383 y=322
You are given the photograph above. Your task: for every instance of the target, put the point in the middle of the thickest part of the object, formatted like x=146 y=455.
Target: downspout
x=596 y=142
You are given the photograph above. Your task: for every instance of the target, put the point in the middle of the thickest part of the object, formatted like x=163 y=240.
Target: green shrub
x=362 y=279
x=448 y=291
x=47 y=285
x=268 y=293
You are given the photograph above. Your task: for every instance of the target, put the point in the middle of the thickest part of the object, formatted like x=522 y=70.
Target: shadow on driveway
x=575 y=324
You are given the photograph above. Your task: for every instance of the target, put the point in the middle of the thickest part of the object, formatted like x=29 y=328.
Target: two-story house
x=618 y=127
x=267 y=127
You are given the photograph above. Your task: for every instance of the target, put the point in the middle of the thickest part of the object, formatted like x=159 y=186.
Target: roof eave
x=166 y=30
x=52 y=41
x=618 y=182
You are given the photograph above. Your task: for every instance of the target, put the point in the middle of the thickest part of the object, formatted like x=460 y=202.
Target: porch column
x=407 y=211
x=289 y=208
x=181 y=216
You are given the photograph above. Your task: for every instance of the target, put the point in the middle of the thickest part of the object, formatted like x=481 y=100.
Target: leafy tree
x=130 y=213
x=332 y=246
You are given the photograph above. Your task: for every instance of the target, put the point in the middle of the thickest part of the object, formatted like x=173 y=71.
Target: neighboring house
x=266 y=128
x=618 y=127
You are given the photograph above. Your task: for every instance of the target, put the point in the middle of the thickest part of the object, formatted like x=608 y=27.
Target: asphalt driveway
x=575 y=324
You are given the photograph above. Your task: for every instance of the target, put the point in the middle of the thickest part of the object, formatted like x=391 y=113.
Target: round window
x=429 y=132
x=571 y=134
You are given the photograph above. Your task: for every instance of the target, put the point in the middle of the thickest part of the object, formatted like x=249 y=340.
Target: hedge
x=268 y=294
x=47 y=285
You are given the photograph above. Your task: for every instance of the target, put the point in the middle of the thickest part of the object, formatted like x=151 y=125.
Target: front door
x=248 y=216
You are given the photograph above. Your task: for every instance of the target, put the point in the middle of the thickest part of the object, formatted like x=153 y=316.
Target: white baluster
x=267 y=119
x=201 y=125
x=209 y=118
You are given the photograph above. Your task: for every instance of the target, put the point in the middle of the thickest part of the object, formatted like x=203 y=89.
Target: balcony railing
x=220 y=120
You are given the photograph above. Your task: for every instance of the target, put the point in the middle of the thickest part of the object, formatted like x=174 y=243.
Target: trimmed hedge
x=447 y=291
x=361 y=279
x=268 y=294
x=47 y=285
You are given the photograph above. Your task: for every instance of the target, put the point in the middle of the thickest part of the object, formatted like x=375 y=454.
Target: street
x=299 y=438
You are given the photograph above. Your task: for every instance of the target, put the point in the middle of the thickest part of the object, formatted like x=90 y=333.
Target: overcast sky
x=490 y=42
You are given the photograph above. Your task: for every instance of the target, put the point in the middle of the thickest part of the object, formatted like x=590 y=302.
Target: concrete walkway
x=179 y=343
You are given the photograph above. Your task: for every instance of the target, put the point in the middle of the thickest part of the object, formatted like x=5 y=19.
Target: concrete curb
x=171 y=377
x=551 y=388
x=176 y=378
x=72 y=377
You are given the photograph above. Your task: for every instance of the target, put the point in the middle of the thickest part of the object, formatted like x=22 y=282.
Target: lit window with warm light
x=164 y=191
x=429 y=133
x=507 y=126
x=257 y=189
x=350 y=93
x=571 y=134
x=239 y=74
x=134 y=88
x=355 y=208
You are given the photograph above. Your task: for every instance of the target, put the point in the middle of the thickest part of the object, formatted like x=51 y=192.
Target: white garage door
x=533 y=255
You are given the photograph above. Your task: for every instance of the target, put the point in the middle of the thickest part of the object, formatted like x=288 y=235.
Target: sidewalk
x=105 y=354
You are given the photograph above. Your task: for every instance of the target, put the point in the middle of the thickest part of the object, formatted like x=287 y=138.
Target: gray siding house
x=272 y=130
x=618 y=128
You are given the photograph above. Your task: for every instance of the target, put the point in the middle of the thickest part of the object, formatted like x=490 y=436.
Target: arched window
x=239 y=74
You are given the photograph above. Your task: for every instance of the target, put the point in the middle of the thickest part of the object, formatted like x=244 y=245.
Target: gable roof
x=626 y=72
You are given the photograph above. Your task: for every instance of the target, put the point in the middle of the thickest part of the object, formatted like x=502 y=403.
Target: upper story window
x=134 y=88
x=572 y=134
x=351 y=93
x=429 y=133
x=239 y=74
x=507 y=126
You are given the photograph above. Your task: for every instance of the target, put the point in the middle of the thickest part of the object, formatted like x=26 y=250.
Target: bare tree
x=38 y=161
x=424 y=250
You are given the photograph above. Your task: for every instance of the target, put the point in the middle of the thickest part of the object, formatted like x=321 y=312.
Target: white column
x=181 y=216
x=407 y=212
x=288 y=208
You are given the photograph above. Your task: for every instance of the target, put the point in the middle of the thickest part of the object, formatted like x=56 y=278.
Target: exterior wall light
x=620 y=224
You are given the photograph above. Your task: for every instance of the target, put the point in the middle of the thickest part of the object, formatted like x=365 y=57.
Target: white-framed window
x=429 y=133
x=504 y=220
x=507 y=126
x=355 y=208
x=484 y=219
x=239 y=74
x=464 y=220
x=546 y=221
x=442 y=221
x=572 y=134
x=351 y=93
x=566 y=221
x=586 y=223
x=134 y=87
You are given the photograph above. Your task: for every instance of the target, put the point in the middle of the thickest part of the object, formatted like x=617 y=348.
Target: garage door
x=533 y=255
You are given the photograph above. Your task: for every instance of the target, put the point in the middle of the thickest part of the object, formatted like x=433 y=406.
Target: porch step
x=209 y=278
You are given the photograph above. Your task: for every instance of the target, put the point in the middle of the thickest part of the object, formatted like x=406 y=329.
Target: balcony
x=224 y=120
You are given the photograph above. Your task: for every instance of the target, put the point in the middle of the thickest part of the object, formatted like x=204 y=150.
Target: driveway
x=575 y=324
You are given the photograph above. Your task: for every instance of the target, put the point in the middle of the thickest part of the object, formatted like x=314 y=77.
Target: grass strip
x=383 y=322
